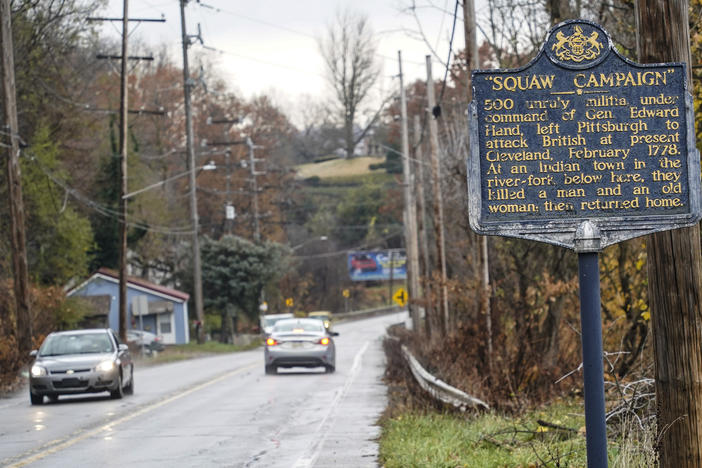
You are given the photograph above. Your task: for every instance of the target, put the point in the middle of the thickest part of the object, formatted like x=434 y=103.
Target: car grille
x=70 y=383
x=64 y=372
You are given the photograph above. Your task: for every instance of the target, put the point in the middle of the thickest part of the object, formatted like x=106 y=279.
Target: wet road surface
x=215 y=411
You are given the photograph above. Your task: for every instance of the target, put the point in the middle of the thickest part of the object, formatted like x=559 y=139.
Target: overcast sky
x=270 y=46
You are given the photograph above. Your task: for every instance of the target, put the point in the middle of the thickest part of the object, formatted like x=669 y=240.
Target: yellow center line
x=62 y=445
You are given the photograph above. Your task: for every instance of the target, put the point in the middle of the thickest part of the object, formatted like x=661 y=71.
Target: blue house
x=150 y=307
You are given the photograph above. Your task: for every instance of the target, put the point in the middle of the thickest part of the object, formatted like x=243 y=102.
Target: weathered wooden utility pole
x=472 y=63
x=254 y=189
x=410 y=215
x=438 y=199
x=14 y=184
x=123 y=152
x=674 y=266
x=123 y=113
x=423 y=225
x=197 y=267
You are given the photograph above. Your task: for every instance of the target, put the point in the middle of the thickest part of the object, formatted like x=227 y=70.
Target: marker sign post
x=583 y=148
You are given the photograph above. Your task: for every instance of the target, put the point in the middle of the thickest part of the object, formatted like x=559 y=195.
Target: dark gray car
x=81 y=361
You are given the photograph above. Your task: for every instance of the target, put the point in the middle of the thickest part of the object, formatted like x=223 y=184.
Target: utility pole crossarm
x=148 y=58
x=131 y=20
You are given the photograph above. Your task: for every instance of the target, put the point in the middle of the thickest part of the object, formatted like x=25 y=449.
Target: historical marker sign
x=582 y=134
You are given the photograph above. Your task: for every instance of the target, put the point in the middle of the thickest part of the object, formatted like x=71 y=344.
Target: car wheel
x=129 y=389
x=118 y=392
x=53 y=398
x=330 y=368
x=36 y=399
x=271 y=370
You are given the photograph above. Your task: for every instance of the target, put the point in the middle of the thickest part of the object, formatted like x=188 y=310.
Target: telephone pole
x=472 y=63
x=14 y=182
x=251 y=164
x=197 y=267
x=123 y=112
x=123 y=151
x=438 y=199
x=229 y=210
x=421 y=207
x=254 y=189
x=674 y=278
x=410 y=210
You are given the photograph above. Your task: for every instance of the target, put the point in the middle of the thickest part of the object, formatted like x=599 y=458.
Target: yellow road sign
x=289 y=302
x=400 y=297
x=346 y=293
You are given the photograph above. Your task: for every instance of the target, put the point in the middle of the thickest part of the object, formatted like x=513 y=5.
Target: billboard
x=377 y=265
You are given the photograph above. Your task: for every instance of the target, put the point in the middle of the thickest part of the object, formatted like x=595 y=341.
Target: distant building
x=150 y=307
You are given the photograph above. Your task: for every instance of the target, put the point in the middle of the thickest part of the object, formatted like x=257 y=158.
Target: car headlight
x=105 y=366
x=38 y=371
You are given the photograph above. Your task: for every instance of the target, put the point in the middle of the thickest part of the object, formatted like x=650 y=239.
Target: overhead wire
x=436 y=112
x=450 y=53
x=350 y=249
x=102 y=209
x=108 y=212
x=278 y=26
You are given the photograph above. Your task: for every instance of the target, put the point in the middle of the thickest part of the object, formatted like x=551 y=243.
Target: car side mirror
x=33 y=353
x=123 y=347
x=333 y=333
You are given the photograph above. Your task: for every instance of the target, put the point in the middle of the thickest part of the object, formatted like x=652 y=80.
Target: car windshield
x=270 y=321
x=319 y=316
x=79 y=343
x=299 y=326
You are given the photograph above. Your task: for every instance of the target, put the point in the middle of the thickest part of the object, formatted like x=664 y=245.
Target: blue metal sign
x=582 y=134
x=377 y=265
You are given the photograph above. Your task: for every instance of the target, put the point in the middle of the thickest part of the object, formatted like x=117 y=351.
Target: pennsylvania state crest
x=577 y=47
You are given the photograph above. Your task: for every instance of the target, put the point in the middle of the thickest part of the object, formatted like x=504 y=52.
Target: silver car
x=269 y=321
x=81 y=361
x=145 y=341
x=300 y=342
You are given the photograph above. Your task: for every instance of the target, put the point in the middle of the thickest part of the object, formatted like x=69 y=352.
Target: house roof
x=136 y=283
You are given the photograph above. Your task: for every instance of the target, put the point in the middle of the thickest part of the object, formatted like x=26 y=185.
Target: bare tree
x=349 y=52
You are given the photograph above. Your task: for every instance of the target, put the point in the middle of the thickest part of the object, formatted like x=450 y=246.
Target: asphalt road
x=215 y=411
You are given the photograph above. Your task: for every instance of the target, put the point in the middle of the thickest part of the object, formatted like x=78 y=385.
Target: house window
x=165 y=327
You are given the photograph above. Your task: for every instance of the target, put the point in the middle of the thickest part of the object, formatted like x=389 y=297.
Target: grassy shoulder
x=194 y=350
x=551 y=436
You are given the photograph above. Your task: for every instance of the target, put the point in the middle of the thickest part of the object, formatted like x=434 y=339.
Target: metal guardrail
x=440 y=389
x=358 y=314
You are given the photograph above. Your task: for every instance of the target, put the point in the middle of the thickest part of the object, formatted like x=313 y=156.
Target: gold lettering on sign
x=621 y=79
x=521 y=83
x=585 y=143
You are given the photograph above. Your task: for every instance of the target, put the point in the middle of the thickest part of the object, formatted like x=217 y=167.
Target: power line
x=282 y=28
x=350 y=249
x=102 y=209
x=258 y=60
x=450 y=52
